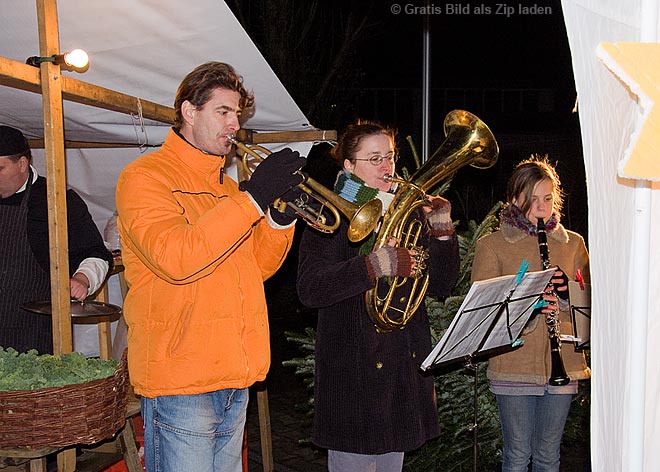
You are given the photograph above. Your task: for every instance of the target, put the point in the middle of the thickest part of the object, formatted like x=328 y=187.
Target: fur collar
x=515 y=226
x=511 y=234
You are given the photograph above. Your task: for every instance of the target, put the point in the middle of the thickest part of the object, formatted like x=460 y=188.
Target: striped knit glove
x=389 y=261
x=439 y=218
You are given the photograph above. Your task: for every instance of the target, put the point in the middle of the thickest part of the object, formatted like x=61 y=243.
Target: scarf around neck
x=515 y=227
x=352 y=188
x=512 y=216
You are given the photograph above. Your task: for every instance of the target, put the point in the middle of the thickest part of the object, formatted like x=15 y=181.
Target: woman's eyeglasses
x=377 y=160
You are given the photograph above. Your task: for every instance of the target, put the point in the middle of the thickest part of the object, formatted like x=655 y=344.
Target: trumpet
x=362 y=219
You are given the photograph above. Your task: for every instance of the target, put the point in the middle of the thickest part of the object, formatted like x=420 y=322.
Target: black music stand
x=580 y=301
x=488 y=322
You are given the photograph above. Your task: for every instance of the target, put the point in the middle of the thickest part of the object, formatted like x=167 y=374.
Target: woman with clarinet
x=535 y=383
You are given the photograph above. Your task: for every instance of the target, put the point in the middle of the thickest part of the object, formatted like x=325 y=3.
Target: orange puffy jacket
x=196 y=252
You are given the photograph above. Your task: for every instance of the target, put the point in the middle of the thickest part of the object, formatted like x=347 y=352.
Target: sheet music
x=493 y=315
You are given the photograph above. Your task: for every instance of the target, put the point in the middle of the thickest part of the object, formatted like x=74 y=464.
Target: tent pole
x=640 y=285
x=638 y=323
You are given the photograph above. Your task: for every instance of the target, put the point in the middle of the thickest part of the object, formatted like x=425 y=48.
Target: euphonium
x=468 y=141
x=558 y=374
x=362 y=219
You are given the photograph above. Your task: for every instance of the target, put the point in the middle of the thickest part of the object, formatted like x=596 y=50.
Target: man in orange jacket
x=197 y=248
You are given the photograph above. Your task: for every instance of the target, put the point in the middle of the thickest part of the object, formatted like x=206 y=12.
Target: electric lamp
x=76 y=60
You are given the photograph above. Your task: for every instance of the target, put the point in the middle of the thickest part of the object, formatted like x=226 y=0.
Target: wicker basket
x=63 y=416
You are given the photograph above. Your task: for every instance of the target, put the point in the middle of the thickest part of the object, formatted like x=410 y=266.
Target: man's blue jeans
x=532 y=427
x=200 y=433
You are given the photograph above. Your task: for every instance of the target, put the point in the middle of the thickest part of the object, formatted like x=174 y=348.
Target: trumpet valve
x=280 y=205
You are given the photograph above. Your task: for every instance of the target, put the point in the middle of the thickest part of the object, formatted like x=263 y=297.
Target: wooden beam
x=265 y=433
x=22 y=76
x=39 y=144
x=18 y=75
x=82 y=92
x=253 y=137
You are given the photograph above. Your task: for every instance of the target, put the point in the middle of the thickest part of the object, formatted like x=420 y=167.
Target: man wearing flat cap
x=24 y=249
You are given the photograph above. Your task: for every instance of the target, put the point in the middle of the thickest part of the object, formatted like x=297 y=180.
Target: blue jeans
x=532 y=427
x=200 y=433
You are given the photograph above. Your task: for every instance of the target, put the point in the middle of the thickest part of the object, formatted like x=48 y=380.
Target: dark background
x=347 y=60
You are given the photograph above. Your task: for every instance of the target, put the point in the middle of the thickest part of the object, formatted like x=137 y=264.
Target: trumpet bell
x=364 y=220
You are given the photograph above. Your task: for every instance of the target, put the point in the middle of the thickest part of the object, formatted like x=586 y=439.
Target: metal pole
x=426 y=84
x=640 y=301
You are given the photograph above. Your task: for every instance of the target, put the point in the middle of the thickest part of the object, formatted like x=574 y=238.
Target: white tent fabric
x=141 y=48
x=623 y=242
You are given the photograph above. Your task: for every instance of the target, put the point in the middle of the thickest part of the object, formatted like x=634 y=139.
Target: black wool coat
x=370 y=397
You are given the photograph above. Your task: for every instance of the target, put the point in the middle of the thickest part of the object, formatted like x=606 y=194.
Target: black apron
x=21 y=280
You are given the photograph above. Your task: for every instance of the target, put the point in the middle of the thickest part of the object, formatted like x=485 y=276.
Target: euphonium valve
x=467 y=141
x=362 y=219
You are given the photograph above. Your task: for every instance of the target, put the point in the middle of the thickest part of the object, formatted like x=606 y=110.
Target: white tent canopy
x=142 y=49
x=623 y=239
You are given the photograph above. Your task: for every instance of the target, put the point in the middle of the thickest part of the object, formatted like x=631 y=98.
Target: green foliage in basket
x=31 y=371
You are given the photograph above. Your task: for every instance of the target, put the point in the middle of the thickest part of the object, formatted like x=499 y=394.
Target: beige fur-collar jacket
x=501 y=253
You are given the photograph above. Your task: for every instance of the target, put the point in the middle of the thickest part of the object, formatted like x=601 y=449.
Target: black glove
x=284 y=215
x=274 y=176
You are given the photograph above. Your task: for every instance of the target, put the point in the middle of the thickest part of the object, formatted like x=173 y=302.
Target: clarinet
x=558 y=374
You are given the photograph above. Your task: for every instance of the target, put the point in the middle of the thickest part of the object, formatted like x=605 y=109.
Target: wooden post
x=51 y=91
x=104 y=327
x=264 y=427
